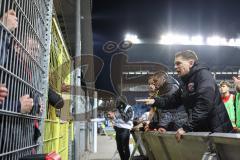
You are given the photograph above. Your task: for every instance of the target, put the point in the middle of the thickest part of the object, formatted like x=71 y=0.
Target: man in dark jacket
x=200 y=96
x=165 y=119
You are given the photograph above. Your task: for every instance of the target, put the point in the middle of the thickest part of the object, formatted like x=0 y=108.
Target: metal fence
x=24 y=44
x=194 y=145
x=56 y=131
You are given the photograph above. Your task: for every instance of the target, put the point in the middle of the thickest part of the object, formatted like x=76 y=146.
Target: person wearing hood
x=200 y=96
x=123 y=123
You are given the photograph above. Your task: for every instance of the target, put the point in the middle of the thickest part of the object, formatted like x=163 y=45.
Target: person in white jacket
x=123 y=123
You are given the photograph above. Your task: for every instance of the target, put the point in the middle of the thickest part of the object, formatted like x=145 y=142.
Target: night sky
x=151 y=18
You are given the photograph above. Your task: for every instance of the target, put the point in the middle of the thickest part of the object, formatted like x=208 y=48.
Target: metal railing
x=56 y=131
x=24 y=44
x=193 y=146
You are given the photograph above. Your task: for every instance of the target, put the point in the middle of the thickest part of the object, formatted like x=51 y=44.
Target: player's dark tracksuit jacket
x=201 y=98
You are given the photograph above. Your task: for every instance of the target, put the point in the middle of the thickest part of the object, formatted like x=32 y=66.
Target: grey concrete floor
x=106 y=147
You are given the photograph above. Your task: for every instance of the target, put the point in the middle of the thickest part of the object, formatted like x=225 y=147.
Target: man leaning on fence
x=200 y=96
x=165 y=119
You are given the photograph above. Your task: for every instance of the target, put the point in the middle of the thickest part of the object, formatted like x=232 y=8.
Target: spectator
x=10 y=20
x=165 y=119
x=25 y=103
x=200 y=96
x=228 y=100
x=123 y=123
x=237 y=99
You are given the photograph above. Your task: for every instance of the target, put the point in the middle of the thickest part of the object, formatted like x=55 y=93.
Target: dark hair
x=160 y=74
x=6 y=5
x=188 y=55
x=159 y=78
x=121 y=101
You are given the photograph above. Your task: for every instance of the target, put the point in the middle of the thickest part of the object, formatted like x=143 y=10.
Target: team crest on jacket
x=190 y=87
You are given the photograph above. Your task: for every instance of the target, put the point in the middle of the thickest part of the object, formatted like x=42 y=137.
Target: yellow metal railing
x=56 y=132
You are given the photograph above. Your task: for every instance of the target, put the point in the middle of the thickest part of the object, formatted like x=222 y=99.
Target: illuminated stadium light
x=138 y=72
x=197 y=40
x=174 y=39
x=231 y=42
x=144 y=72
x=237 y=42
x=177 y=39
x=217 y=41
x=169 y=39
x=132 y=38
x=131 y=72
x=182 y=39
x=166 y=39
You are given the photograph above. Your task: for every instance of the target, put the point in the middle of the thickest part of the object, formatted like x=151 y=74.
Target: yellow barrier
x=56 y=132
x=51 y=136
x=63 y=141
x=56 y=137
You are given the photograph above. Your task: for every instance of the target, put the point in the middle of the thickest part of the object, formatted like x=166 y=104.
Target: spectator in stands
x=9 y=20
x=123 y=123
x=200 y=96
x=163 y=85
x=228 y=100
x=237 y=99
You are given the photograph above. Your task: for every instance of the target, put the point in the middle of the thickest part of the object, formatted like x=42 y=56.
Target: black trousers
x=122 y=139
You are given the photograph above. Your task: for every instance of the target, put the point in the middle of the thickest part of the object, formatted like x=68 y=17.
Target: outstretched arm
x=237 y=83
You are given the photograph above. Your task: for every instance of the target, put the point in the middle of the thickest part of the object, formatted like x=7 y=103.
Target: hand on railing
x=3 y=92
x=179 y=134
x=162 y=130
x=26 y=104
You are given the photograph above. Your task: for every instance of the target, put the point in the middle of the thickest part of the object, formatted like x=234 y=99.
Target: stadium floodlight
x=181 y=39
x=237 y=42
x=144 y=72
x=167 y=39
x=132 y=38
x=131 y=72
x=231 y=42
x=197 y=40
x=138 y=73
x=170 y=39
x=217 y=41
